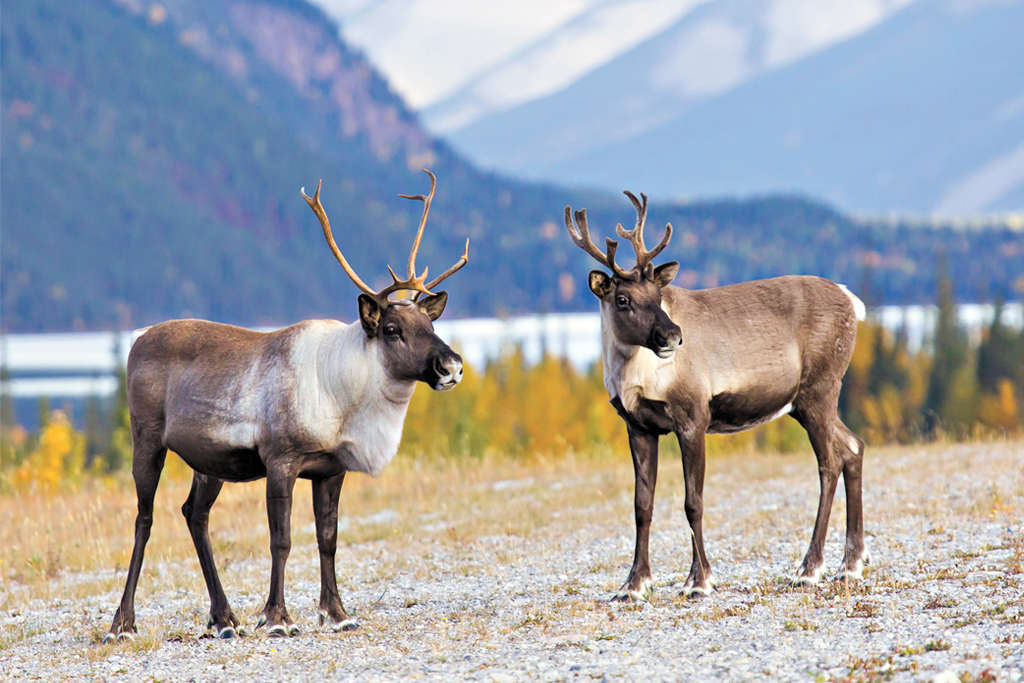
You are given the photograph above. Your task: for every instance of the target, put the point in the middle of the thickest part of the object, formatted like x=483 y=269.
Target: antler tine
x=579 y=233
x=636 y=235
x=463 y=260
x=662 y=244
x=426 y=199
x=318 y=209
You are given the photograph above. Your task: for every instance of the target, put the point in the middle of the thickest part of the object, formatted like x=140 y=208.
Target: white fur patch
x=346 y=398
x=809 y=579
x=632 y=372
x=859 y=309
x=641 y=594
x=784 y=410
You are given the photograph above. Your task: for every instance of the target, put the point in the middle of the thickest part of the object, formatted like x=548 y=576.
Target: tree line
x=891 y=394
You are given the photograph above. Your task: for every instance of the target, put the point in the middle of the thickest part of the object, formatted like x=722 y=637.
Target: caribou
x=313 y=401
x=722 y=360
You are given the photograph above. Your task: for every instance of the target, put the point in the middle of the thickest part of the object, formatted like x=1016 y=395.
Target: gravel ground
x=943 y=597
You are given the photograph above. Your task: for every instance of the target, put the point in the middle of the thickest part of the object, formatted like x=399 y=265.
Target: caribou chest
x=632 y=373
x=348 y=406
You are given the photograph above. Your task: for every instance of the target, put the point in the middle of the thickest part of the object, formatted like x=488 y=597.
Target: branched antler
x=579 y=232
x=636 y=235
x=318 y=209
x=412 y=282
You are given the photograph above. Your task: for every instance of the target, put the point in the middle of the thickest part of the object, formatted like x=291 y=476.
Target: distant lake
x=70 y=367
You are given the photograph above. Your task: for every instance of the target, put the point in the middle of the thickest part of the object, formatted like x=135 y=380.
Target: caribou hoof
x=346 y=624
x=280 y=630
x=227 y=633
x=853 y=571
x=283 y=630
x=697 y=589
x=119 y=637
x=641 y=593
x=806 y=578
x=694 y=590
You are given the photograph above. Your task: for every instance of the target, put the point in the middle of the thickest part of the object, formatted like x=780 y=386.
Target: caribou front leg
x=326 y=493
x=819 y=431
x=644 y=448
x=280 y=483
x=691 y=444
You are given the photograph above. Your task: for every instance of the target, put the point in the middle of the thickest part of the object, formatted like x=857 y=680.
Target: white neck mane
x=353 y=404
x=631 y=372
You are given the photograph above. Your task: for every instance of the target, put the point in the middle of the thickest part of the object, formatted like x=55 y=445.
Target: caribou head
x=631 y=299
x=402 y=330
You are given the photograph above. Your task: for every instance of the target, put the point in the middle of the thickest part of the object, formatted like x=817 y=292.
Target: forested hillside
x=152 y=157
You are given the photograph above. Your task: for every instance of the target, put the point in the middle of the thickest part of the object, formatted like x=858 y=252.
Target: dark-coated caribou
x=313 y=401
x=721 y=360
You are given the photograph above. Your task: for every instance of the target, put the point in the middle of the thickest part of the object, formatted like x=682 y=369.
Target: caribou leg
x=196 y=510
x=148 y=456
x=691 y=444
x=280 y=483
x=819 y=427
x=644 y=448
x=855 y=556
x=326 y=493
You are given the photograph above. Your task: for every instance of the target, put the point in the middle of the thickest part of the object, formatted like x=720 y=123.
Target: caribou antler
x=636 y=235
x=412 y=282
x=318 y=209
x=580 y=234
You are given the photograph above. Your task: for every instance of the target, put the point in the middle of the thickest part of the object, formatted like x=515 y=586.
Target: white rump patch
x=784 y=410
x=858 y=306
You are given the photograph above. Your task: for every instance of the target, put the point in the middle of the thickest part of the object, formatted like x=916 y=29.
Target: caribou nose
x=666 y=341
x=449 y=370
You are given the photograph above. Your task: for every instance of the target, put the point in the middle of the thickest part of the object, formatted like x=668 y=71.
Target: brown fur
x=723 y=360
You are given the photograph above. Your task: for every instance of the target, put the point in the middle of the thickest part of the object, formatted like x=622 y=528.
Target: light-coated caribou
x=721 y=360
x=313 y=401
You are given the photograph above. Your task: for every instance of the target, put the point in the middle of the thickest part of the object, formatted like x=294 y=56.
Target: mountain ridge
x=145 y=179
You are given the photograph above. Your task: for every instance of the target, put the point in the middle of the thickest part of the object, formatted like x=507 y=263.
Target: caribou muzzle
x=665 y=337
x=447 y=370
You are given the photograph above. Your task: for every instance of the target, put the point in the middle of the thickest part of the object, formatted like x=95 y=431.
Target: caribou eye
x=622 y=301
x=392 y=331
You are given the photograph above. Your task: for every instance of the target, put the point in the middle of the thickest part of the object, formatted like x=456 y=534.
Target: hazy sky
x=510 y=52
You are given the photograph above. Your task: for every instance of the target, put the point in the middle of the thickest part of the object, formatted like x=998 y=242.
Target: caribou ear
x=600 y=283
x=369 y=314
x=433 y=305
x=665 y=273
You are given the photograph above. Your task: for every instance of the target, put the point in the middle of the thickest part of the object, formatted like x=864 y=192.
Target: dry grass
x=89 y=532
x=429 y=518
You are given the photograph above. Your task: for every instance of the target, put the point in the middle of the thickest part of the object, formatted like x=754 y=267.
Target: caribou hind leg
x=196 y=510
x=326 y=493
x=148 y=456
x=644 y=448
x=700 y=581
x=851 y=446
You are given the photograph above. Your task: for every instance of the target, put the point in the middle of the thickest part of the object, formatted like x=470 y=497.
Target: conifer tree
x=948 y=356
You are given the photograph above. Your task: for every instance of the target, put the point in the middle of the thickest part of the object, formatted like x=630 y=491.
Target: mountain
x=921 y=114
x=553 y=60
x=152 y=155
x=710 y=50
x=455 y=60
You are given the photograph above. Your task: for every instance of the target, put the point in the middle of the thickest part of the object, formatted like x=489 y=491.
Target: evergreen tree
x=119 y=447
x=998 y=354
x=948 y=357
